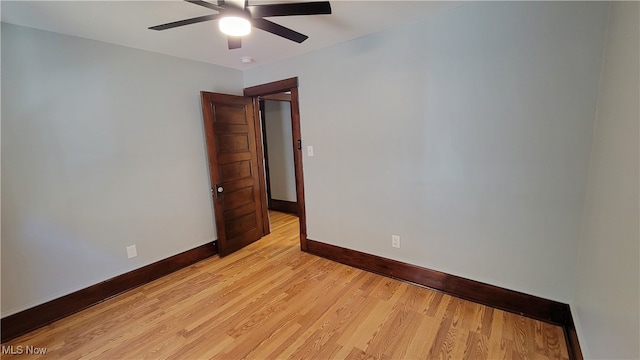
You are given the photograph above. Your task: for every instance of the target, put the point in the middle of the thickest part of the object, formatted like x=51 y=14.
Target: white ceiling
x=126 y=22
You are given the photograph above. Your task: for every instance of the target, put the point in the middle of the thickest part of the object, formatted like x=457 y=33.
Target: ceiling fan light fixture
x=235 y=26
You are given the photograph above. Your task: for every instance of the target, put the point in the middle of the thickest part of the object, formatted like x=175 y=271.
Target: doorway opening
x=277 y=140
x=279 y=92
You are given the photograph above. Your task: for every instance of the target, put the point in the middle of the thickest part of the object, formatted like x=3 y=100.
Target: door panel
x=235 y=171
x=234 y=165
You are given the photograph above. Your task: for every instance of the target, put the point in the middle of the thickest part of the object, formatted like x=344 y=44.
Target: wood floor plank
x=421 y=341
x=270 y=300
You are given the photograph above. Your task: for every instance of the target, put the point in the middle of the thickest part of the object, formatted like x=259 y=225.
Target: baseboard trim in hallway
x=531 y=306
x=38 y=316
x=289 y=207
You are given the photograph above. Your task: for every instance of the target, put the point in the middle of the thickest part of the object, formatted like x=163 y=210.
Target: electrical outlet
x=395 y=241
x=131 y=251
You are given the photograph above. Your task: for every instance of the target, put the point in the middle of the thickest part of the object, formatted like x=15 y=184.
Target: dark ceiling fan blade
x=288 y=9
x=206 y=4
x=235 y=42
x=234 y=4
x=194 y=20
x=266 y=25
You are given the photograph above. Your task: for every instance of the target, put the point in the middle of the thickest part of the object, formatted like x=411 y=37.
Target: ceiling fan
x=236 y=17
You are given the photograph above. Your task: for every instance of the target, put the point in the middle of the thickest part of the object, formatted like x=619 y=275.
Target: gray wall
x=607 y=304
x=102 y=147
x=468 y=134
x=279 y=142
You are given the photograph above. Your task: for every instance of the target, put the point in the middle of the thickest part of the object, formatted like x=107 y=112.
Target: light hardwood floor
x=271 y=301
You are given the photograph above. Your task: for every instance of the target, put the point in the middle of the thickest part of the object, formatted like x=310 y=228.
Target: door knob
x=219 y=190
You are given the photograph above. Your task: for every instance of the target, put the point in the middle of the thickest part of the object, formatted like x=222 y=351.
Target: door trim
x=261 y=170
x=265 y=145
x=290 y=84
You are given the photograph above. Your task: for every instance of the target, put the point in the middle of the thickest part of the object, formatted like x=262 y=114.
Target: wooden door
x=235 y=170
